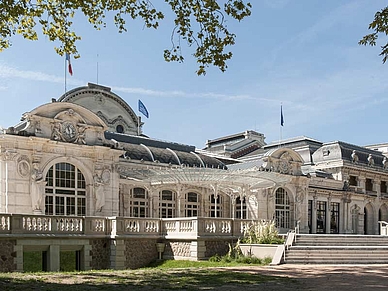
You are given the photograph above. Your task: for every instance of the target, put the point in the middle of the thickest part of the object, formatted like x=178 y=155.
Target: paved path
x=325 y=277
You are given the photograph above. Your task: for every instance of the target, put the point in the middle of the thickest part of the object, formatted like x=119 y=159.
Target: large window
x=216 y=206
x=352 y=180
x=65 y=191
x=167 y=204
x=138 y=203
x=321 y=216
x=282 y=209
x=368 y=184
x=383 y=187
x=192 y=205
x=241 y=208
x=334 y=217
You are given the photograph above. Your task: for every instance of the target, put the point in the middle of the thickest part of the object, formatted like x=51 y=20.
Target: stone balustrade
x=169 y=228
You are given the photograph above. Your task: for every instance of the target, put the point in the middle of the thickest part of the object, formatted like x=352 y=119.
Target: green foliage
x=67 y=261
x=201 y=23
x=380 y=26
x=261 y=232
x=235 y=255
x=32 y=261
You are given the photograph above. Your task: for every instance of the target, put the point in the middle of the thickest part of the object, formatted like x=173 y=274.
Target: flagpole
x=65 y=75
x=97 y=69
x=281 y=124
x=138 y=125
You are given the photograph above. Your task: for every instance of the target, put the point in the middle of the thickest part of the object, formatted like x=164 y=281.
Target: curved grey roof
x=338 y=150
x=150 y=150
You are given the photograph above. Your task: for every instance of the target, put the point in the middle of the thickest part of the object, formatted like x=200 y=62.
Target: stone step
x=335 y=262
x=336 y=255
x=338 y=249
x=342 y=243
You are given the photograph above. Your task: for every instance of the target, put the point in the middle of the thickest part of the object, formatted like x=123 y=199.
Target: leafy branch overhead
x=198 y=23
x=380 y=26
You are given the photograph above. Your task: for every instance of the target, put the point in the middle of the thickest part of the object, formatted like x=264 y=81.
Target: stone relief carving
x=100 y=99
x=101 y=178
x=23 y=166
x=38 y=187
x=69 y=126
x=284 y=166
x=299 y=198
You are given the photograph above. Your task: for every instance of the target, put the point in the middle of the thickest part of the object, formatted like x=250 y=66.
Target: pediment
x=65 y=122
x=284 y=161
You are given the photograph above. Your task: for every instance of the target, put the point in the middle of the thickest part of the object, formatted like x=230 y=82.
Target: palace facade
x=78 y=174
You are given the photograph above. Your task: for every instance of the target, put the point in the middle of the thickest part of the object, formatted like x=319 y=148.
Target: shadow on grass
x=138 y=280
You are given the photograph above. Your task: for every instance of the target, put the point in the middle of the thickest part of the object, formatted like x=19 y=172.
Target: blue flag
x=281 y=116
x=143 y=109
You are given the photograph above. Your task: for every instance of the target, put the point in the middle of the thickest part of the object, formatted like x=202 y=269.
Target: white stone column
x=53 y=258
x=314 y=215
x=377 y=187
x=86 y=258
x=117 y=254
x=328 y=214
x=361 y=183
x=197 y=250
x=18 y=260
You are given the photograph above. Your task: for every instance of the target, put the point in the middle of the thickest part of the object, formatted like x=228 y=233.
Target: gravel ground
x=324 y=277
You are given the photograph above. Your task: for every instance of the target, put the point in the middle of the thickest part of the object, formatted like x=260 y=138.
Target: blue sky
x=302 y=53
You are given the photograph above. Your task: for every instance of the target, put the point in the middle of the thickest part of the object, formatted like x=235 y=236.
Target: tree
x=380 y=26
x=199 y=23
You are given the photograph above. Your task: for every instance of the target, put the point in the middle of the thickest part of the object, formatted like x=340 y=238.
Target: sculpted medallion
x=69 y=131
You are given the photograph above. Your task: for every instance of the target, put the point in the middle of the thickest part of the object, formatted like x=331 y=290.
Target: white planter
x=260 y=251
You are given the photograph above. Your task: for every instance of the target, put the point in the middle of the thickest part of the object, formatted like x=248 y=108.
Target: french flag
x=69 y=63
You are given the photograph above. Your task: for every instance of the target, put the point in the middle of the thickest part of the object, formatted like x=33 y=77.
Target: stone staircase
x=338 y=249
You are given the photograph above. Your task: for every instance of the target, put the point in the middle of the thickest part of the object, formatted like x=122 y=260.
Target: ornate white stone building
x=81 y=166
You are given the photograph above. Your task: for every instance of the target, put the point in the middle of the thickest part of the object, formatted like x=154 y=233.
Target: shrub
x=261 y=232
x=216 y=258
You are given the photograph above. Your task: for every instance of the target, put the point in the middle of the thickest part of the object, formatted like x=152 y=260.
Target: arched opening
x=383 y=215
x=216 y=205
x=241 y=208
x=282 y=209
x=167 y=204
x=369 y=227
x=65 y=192
x=138 y=204
x=192 y=205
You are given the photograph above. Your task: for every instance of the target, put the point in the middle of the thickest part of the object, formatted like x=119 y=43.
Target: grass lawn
x=167 y=275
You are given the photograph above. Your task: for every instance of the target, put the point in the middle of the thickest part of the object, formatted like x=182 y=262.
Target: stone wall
x=100 y=254
x=139 y=252
x=7 y=256
x=220 y=247
x=177 y=249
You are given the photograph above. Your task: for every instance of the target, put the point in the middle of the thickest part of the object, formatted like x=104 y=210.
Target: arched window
x=138 y=203
x=282 y=209
x=192 y=205
x=65 y=190
x=167 y=204
x=241 y=208
x=216 y=206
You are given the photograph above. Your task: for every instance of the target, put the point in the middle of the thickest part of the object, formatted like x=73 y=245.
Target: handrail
x=288 y=242
x=383 y=228
x=291 y=238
